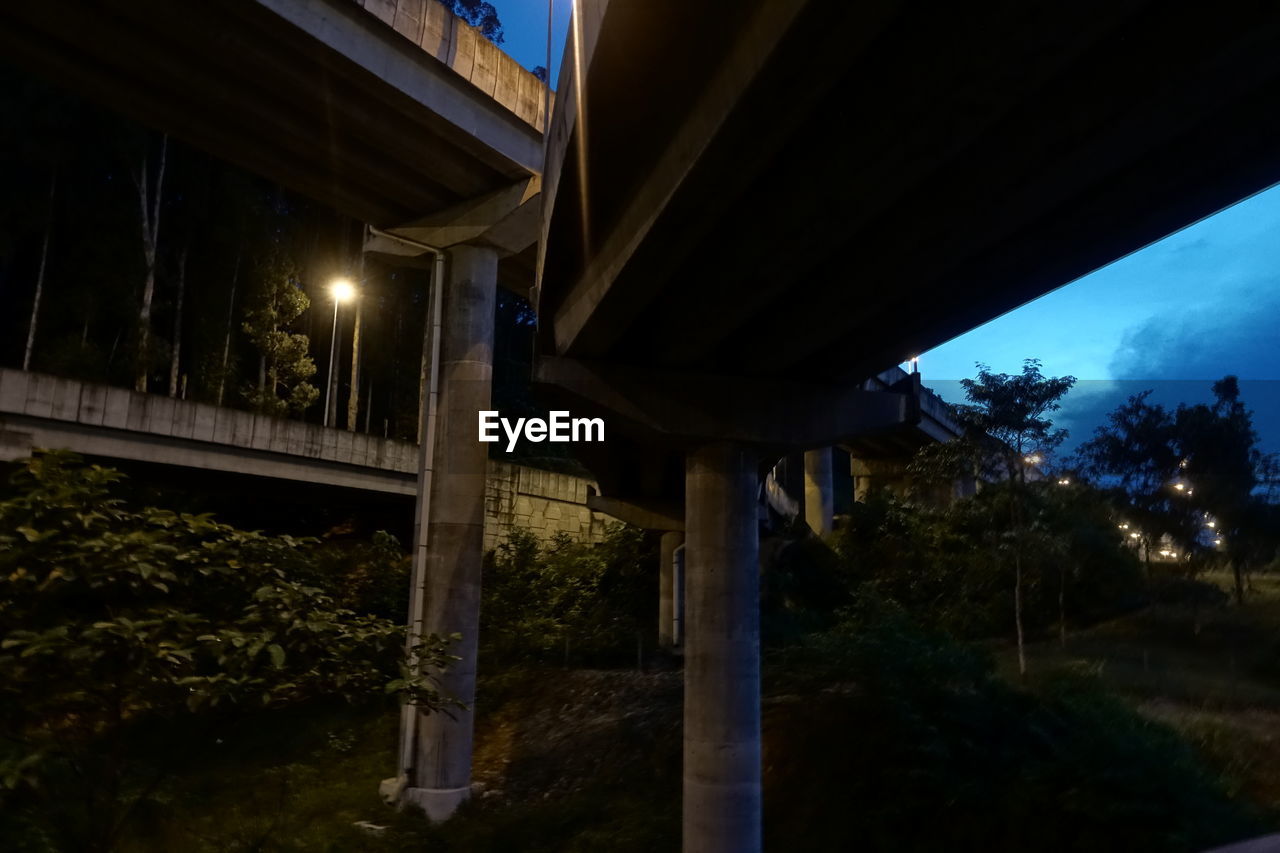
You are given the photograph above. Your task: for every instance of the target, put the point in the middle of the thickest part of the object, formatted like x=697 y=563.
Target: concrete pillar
x=819 y=497
x=671 y=540
x=722 y=797
x=452 y=549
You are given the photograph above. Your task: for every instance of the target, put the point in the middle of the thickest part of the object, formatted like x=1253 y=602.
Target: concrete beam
x=347 y=30
x=507 y=220
x=698 y=407
x=648 y=515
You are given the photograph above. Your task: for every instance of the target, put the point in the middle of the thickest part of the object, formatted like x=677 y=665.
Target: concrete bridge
x=746 y=210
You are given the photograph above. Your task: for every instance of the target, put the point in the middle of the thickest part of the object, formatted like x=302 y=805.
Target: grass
x=305 y=780
x=1212 y=675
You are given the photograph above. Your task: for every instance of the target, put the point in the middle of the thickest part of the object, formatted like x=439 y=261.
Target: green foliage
x=1006 y=421
x=1211 y=453
x=569 y=601
x=924 y=727
x=278 y=301
x=480 y=14
x=368 y=577
x=953 y=567
x=114 y=619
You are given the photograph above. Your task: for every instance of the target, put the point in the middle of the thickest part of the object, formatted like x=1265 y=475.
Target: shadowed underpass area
x=271 y=266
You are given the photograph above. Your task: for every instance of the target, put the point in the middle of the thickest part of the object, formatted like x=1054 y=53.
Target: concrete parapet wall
x=432 y=27
x=37 y=395
x=38 y=410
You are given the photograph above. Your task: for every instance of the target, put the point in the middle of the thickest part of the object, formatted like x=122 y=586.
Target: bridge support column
x=819 y=495
x=450 y=553
x=671 y=540
x=722 y=795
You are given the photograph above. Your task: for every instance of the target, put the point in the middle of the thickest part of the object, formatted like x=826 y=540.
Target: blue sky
x=1193 y=307
x=1172 y=317
x=524 y=26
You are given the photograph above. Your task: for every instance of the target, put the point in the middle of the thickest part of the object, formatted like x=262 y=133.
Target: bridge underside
x=318 y=95
x=823 y=189
x=754 y=196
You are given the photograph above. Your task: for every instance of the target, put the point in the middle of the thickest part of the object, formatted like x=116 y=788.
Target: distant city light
x=1180 y=486
x=1123 y=526
x=1064 y=482
x=1133 y=535
x=1033 y=459
x=1213 y=524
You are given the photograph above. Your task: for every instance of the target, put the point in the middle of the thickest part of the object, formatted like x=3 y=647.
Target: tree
x=120 y=624
x=1136 y=453
x=1222 y=466
x=479 y=14
x=285 y=365
x=1177 y=471
x=150 y=191
x=1007 y=429
x=44 y=258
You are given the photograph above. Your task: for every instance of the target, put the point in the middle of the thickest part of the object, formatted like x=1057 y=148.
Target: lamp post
x=342 y=290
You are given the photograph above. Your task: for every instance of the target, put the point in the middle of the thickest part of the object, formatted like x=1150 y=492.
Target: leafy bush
x=367 y=577
x=115 y=622
x=902 y=722
x=567 y=601
x=953 y=567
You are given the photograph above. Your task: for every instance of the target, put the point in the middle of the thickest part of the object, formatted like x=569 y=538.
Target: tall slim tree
x=150 y=190
x=353 y=400
x=175 y=353
x=44 y=260
x=1007 y=430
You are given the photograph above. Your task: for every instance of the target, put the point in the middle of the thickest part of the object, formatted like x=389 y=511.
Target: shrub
x=117 y=622
x=593 y=604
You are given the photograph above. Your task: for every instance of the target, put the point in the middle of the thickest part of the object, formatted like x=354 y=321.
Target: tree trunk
x=175 y=356
x=1016 y=509
x=226 y=341
x=149 y=204
x=44 y=257
x=1062 y=606
x=368 y=406
x=353 y=399
x=1237 y=569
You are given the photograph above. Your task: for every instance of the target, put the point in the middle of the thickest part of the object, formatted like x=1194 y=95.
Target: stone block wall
x=544 y=502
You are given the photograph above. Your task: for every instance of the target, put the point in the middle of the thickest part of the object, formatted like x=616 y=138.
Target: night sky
x=1172 y=317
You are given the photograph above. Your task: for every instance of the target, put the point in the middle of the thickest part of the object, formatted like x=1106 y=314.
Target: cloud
x=1232 y=334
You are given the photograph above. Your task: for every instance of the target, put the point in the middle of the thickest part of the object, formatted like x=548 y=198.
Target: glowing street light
x=1133 y=535
x=1064 y=482
x=1033 y=459
x=342 y=290
x=1182 y=487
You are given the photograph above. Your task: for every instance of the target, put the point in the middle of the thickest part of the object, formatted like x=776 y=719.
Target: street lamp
x=342 y=290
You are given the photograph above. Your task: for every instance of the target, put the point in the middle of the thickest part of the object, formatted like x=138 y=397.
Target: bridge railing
x=40 y=396
x=438 y=32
